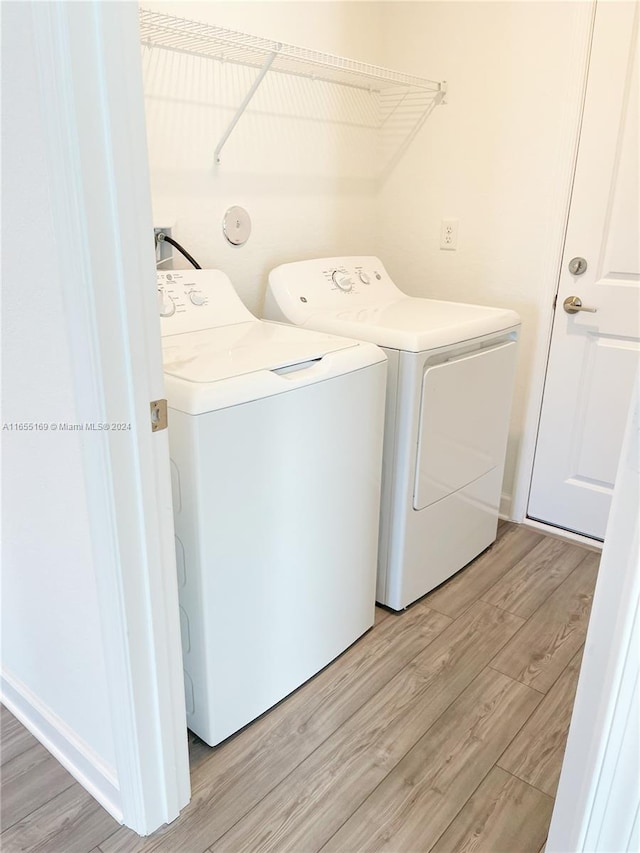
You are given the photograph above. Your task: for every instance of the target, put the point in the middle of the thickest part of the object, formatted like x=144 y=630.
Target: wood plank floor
x=442 y=729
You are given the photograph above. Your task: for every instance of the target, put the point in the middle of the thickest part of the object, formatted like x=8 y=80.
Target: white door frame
x=581 y=48
x=526 y=455
x=577 y=358
x=92 y=100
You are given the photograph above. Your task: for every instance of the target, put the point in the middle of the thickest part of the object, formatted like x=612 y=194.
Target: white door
x=594 y=351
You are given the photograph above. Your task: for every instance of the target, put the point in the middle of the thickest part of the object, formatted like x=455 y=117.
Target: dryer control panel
x=191 y=300
x=297 y=291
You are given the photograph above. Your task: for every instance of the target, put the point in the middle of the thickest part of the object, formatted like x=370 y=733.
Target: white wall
x=296 y=161
x=497 y=157
x=52 y=653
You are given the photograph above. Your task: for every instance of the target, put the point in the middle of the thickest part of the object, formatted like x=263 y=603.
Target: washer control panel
x=191 y=300
x=350 y=278
x=178 y=291
x=296 y=291
x=342 y=280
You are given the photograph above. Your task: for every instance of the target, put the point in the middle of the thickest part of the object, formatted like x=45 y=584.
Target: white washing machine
x=450 y=382
x=276 y=451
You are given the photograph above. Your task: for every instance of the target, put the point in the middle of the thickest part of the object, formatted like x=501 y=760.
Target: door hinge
x=158 y=415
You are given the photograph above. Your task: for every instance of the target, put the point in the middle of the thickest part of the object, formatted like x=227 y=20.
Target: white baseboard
x=94 y=774
x=561 y=533
x=504 y=512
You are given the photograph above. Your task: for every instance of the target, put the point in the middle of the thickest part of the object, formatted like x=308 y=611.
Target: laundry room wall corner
x=498 y=157
x=301 y=161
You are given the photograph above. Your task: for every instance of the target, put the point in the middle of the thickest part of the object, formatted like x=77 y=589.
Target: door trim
x=565 y=174
x=577 y=442
x=93 y=115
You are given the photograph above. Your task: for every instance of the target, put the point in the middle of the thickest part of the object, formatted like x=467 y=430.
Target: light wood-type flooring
x=442 y=729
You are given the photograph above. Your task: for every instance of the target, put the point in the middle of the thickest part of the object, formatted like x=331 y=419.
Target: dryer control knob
x=166 y=304
x=364 y=278
x=341 y=280
x=196 y=298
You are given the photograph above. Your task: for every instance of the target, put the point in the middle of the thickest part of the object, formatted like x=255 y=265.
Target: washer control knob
x=166 y=304
x=196 y=298
x=364 y=278
x=341 y=280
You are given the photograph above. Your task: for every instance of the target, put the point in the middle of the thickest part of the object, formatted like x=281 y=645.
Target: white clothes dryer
x=275 y=438
x=450 y=382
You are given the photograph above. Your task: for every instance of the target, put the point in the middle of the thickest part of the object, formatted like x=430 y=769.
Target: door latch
x=159 y=417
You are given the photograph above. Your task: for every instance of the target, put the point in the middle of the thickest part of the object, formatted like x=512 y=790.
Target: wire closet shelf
x=172 y=33
x=204 y=40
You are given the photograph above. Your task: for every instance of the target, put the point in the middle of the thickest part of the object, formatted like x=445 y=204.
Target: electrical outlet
x=449 y=234
x=164 y=251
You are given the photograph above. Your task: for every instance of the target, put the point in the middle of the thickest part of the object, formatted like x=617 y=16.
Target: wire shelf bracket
x=211 y=42
x=245 y=103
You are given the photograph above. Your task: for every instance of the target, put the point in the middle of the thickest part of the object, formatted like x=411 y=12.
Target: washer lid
x=415 y=324
x=212 y=355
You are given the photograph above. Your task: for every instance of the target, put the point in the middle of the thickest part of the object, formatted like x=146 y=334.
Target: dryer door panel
x=464 y=421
